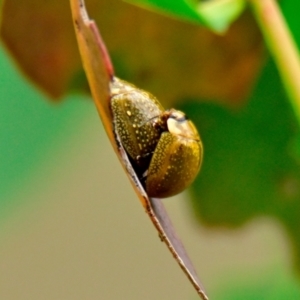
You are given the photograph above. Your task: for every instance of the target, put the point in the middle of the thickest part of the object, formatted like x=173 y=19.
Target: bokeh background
x=72 y=228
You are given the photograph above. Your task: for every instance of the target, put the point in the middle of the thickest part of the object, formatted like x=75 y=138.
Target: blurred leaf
x=40 y=38
x=290 y=10
x=248 y=170
x=169 y=58
x=221 y=13
x=217 y=15
x=251 y=160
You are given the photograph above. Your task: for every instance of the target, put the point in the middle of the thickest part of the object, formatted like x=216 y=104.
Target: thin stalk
x=282 y=47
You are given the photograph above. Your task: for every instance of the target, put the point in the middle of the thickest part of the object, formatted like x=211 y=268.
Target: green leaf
x=248 y=170
x=290 y=10
x=219 y=14
x=214 y=14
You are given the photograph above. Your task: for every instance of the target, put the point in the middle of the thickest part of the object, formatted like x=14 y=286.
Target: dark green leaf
x=248 y=170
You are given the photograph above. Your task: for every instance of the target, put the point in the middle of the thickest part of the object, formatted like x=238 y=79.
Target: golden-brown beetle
x=164 y=146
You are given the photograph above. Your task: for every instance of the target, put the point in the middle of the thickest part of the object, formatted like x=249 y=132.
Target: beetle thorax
x=178 y=124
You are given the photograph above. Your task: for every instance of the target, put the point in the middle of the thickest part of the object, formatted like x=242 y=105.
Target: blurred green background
x=72 y=228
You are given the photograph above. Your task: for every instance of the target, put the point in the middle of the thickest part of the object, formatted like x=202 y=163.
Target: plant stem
x=282 y=47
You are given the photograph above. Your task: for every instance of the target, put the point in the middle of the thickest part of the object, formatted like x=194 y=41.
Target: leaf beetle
x=164 y=146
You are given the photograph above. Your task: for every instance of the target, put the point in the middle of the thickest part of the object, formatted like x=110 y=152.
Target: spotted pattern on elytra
x=174 y=164
x=164 y=145
x=134 y=121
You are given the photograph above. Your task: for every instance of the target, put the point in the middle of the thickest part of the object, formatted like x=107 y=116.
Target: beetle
x=164 y=146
